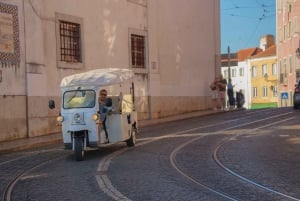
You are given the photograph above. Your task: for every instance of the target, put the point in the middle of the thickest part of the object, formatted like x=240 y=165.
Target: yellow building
x=264 y=79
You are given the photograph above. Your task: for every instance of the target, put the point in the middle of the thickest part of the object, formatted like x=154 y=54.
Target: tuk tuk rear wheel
x=131 y=141
x=79 y=151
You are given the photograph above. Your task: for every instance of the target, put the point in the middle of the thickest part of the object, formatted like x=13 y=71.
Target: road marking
x=105 y=184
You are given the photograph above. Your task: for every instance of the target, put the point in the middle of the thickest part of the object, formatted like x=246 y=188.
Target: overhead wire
x=267 y=12
x=253 y=33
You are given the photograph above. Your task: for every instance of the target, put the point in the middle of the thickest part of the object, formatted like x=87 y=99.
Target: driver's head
x=102 y=95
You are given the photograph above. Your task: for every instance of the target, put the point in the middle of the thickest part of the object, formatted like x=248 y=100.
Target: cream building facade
x=173 y=46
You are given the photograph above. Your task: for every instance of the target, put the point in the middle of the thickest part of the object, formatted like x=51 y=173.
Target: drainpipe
x=25 y=74
x=148 y=60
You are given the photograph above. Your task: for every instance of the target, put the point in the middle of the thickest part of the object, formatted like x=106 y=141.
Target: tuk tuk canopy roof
x=98 y=77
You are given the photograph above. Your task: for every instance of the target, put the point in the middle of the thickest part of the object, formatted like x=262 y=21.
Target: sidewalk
x=16 y=145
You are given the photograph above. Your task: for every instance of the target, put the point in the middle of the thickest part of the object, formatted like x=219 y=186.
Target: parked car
x=296 y=96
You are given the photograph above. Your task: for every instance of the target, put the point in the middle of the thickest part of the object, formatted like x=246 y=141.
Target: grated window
x=137 y=51
x=70 y=48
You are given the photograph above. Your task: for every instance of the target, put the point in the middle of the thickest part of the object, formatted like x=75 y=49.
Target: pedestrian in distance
x=214 y=94
x=221 y=85
x=230 y=94
x=240 y=99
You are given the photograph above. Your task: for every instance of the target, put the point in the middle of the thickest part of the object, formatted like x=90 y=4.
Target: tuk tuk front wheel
x=79 y=150
x=131 y=141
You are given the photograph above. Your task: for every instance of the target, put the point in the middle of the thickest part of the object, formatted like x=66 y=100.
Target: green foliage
x=263 y=105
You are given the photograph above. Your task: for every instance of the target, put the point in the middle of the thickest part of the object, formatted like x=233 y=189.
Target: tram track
x=222 y=194
x=106 y=185
x=16 y=175
x=252 y=182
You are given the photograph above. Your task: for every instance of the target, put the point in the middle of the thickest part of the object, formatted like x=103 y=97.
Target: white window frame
x=241 y=72
x=254 y=92
x=265 y=91
x=264 y=69
x=226 y=74
x=291 y=64
x=275 y=91
x=274 y=69
x=295 y=25
x=233 y=72
x=254 y=71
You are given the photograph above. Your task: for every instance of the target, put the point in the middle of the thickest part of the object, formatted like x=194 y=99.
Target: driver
x=103 y=110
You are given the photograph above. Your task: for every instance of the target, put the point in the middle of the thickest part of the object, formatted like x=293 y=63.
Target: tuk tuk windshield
x=79 y=99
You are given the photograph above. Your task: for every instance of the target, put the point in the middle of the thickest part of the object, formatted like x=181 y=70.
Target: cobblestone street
x=239 y=155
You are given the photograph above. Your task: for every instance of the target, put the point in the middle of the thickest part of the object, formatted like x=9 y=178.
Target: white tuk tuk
x=80 y=115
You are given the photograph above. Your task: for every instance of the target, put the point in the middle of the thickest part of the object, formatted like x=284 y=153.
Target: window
x=274 y=69
x=275 y=91
x=284 y=66
x=283 y=71
x=295 y=25
x=291 y=64
x=280 y=34
x=297 y=75
x=79 y=99
x=137 y=51
x=233 y=72
x=70 y=50
x=265 y=91
x=289 y=29
x=284 y=32
x=254 y=92
x=69 y=43
x=254 y=71
x=226 y=74
x=264 y=70
x=241 y=72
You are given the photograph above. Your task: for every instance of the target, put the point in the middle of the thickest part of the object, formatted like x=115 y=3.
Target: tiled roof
x=271 y=51
x=246 y=53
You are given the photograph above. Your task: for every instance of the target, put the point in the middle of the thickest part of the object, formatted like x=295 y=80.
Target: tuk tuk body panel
x=118 y=127
x=83 y=123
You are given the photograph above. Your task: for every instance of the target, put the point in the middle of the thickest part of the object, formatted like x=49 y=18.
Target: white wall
x=184 y=41
x=183 y=48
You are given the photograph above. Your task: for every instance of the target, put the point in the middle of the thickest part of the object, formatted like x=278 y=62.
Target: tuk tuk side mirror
x=51 y=104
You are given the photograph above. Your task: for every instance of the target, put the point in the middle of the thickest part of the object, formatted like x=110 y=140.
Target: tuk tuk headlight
x=95 y=117
x=60 y=119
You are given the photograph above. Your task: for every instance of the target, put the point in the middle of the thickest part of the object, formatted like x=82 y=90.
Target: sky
x=243 y=22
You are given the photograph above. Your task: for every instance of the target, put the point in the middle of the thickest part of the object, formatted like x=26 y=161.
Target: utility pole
x=228 y=57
